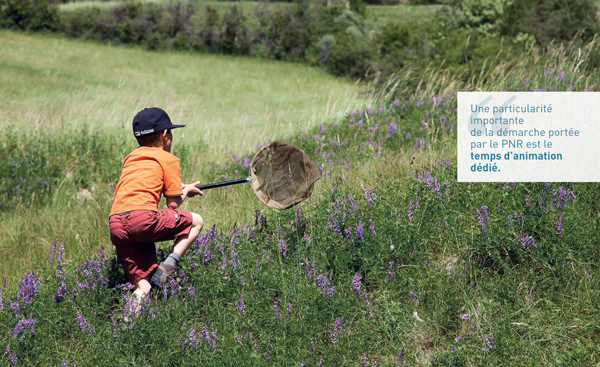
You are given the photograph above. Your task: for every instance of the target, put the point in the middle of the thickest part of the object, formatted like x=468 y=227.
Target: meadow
x=392 y=262
x=68 y=116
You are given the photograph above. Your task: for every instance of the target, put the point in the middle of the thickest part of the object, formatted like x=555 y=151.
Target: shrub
x=27 y=15
x=485 y=16
x=351 y=57
x=551 y=19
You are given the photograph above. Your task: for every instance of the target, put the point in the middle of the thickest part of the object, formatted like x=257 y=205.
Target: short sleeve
x=172 y=185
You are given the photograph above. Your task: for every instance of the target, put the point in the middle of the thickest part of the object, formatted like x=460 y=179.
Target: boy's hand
x=191 y=190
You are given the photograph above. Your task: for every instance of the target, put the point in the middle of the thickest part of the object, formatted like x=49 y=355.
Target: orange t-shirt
x=147 y=173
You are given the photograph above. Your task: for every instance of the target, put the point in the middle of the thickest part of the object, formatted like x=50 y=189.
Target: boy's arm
x=188 y=191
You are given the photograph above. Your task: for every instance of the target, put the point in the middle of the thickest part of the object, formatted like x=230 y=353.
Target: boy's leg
x=182 y=243
x=166 y=269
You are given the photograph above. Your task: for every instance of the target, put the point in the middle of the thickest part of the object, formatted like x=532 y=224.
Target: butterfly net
x=283 y=175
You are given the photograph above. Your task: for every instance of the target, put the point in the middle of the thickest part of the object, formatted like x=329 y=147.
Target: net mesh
x=283 y=175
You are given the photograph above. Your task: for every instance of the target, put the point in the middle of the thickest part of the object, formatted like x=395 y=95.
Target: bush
x=551 y=19
x=351 y=57
x=27 y=15
x=485 y=16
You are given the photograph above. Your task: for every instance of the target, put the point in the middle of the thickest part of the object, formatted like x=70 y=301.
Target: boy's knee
x=197 y=220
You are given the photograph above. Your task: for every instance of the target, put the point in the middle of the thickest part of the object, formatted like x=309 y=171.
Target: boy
x=135 y=221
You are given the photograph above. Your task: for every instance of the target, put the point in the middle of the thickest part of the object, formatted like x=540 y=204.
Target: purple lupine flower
x=527 y=242
x=58 y=296
x=370 y=197
x=11 y=356
x=391 y=274
x=348 y=233
x=364 y=360
x=356 y=283
x=562 y=194
x=239 y=340
x=482 y=219
x=276 y=309
x=240 y=305
x=410 y=210
x=391 y=129
x=465 y=317
x=29 y=286
x=413 y=296
x=51 y=252
x=498 y=207
x=527 y=203
x=558 y=223
x=266 y=353
x=14 y=305
x=489 y=342
x=397 y=359
x=554 y=196
x=191 y=290
x=3 y=290
x=214 y=341
x=84 y=325
x=24 y=325
x=289 y=310
x=570 y=195
x=337 y=328
x=509 y=221
x=458 y=339
x=372 y=226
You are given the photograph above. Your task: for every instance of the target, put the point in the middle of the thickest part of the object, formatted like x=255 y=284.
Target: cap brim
x=175 y=126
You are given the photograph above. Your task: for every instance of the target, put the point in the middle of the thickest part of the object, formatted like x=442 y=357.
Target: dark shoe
x=164 y=274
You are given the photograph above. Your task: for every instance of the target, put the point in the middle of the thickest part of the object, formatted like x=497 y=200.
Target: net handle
x=224 y=183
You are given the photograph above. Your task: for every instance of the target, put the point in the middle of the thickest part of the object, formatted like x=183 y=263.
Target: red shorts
x=133 y=234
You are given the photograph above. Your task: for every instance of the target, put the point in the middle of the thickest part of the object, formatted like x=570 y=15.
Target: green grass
x=227 y=102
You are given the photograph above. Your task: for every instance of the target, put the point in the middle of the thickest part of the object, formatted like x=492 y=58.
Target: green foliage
x=27 y=15
x=487 y=17
x=548 y=20
x=351 y=57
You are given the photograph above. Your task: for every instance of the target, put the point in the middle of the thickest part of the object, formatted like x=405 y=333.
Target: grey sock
x=172 y=259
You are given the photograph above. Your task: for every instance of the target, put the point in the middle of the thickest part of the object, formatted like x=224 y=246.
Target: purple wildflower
x=83 y=323
x=337 y=328
x=483 y=217
x=240 y=305
x=370 y=198
x=527 y=242
x=239 y=340
x=11 y=356
x=276 y=309
x=24 y=325
x=356 y=283
x=410 y=210
x=391 y=129
x=29 y=286
x=266 y=354
x=359 y=230
x=465 y=317
x=498 y=207
x=458 y=339
x=372 y=226
x=397 y=359
x=391 y=274
x=558 y=223
x=489 y=342
x=570 y=195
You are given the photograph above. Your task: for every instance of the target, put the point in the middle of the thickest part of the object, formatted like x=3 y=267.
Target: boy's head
x=151 y=126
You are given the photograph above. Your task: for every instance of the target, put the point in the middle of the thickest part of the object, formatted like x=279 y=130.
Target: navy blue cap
x=150 y=121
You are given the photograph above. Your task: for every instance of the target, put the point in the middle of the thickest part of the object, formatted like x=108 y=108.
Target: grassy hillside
x=390 y=263
x=227 y=102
